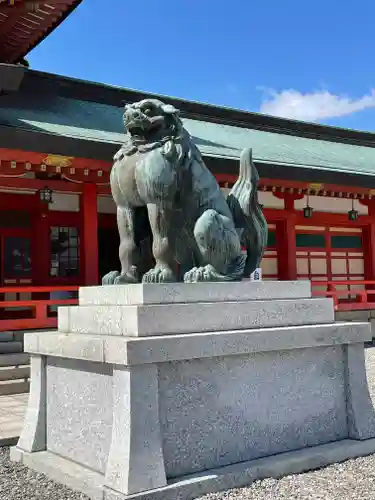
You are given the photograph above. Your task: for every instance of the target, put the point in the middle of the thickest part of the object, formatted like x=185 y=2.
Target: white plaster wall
x=346 y=229
x=63 y=202
x=268 y=200
x=269 y=265
x=356 y=266
x=333 y=205
x=310 y=228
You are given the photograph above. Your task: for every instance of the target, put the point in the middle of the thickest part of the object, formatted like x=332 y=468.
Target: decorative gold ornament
x=58 y=161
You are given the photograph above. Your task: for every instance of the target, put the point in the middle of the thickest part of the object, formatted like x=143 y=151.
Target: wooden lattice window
x=64 y=252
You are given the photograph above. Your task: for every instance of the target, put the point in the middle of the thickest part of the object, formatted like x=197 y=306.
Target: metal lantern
x=353 y=214
x=307 y=211
x=45 y=195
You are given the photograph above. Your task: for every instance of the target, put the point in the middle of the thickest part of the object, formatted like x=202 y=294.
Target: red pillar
x=89 y=238
x=286 y=249
x=41 y=245
x=368 y=242
x=369 y=251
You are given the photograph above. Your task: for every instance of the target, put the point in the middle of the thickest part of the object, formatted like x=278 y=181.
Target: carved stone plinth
x=165 y=391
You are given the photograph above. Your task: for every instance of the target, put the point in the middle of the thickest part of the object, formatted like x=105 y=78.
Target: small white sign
x=256 y=275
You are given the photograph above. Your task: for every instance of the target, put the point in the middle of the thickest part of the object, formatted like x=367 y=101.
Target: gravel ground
x=352 y=480
x=19 y=483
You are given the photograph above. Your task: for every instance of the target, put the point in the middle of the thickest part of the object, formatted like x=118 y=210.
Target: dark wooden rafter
x=8 y=24
x=21 y=42
x=9 y=34
x=25 y=23
x=28 y=5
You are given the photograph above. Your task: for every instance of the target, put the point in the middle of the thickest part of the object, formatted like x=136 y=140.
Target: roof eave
x=116 y=96
x=47 y=32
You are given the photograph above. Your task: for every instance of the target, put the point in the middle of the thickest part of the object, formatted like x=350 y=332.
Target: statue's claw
x=109 y=278
x=116 y=278
x=198 y=274
x=159 y=275
x=208 y=273
x=124 y=279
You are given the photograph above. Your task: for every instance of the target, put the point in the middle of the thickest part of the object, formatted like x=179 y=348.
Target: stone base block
x=142 y=321
x=178 y=415
x=141 y=310
x=187 y=293
x=91 y=483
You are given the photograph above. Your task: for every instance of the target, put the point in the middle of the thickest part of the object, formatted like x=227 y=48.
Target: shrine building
x=57 y=218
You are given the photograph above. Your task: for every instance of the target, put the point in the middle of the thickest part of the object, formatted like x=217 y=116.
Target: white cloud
x=313 y=106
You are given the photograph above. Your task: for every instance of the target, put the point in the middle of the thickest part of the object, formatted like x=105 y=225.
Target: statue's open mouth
x=141 y=129
x=138 y=131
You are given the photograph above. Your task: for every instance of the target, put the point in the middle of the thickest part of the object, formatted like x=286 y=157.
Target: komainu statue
x=164 y=191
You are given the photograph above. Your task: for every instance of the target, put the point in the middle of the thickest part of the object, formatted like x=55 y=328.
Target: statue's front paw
x=209 y=273
x=109 y=278
x=198 y=274
x=131 y=276
x=126 y=279
x=116 y=278
x=159 y=275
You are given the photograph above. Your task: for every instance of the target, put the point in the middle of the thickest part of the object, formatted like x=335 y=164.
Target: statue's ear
x=168 y=109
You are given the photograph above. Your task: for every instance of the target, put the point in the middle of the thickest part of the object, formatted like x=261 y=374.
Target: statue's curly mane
x=183 y=187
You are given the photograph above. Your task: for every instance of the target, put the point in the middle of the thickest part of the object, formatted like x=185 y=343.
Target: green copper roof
x=103 y=123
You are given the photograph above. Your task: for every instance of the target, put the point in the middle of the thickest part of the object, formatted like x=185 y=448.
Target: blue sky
x=306 y=60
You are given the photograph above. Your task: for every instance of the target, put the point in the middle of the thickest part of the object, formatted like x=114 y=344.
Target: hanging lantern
x=307 y=211
x=353 y=214
x=45 y=195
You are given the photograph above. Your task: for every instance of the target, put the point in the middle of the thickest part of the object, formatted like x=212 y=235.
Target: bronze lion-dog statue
x=197 y=233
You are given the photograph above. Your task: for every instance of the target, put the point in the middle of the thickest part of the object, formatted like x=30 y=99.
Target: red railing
x=36 y=312
x=345 y=297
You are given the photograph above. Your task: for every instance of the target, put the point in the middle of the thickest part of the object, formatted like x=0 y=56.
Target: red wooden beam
x=298 y=185
x=59 y=186
x=41 y=243
x=77 y=175
x=318 y=218
x=89 y=247
x=286 y=244
x=50 y=159
x=35 y=185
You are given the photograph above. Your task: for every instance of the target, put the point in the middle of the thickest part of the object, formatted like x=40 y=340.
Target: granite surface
x=139 y=321
x=333 y=482
x=33 y=436
x=135 y=461
x=79 y=411
x=220 y=411
x=144 y=395
x=172 y=293
x=130 y=351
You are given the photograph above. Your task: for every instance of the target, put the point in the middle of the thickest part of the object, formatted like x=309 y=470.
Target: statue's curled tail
x=247 y=213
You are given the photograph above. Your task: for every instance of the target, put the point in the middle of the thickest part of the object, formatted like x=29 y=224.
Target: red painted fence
x=40 y=311
x=349 y=295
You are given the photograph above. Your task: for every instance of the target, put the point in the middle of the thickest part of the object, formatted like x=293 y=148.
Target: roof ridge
x=217 y=113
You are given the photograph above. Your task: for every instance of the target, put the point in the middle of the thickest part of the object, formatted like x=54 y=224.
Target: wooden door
x=16 y=265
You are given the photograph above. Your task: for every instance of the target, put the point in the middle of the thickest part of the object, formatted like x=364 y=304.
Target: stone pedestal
x=172 y=391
